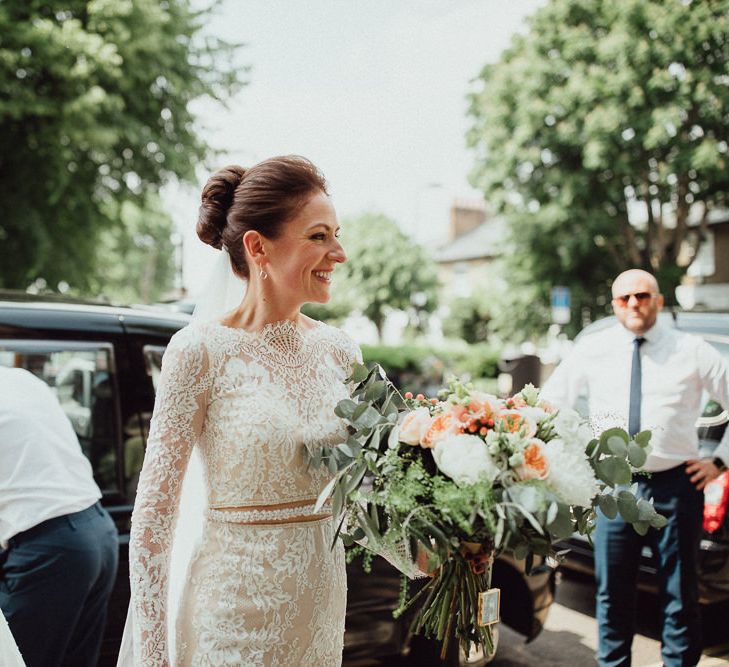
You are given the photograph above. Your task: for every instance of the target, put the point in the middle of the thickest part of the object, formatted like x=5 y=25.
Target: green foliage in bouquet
x=452 y=482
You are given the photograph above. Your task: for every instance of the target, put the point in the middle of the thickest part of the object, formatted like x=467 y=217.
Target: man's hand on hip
x=702 y=472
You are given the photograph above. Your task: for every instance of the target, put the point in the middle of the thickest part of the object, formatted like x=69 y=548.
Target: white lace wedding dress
x=270 y=594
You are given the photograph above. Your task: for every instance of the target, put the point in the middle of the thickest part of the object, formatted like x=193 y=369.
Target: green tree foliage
x=138 y=254
x=599 y=131
x=94 y=111
x=386 y=271
x=468 y=318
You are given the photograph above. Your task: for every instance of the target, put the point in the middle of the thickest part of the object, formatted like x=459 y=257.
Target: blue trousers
x=675 y=549
x=55 y=582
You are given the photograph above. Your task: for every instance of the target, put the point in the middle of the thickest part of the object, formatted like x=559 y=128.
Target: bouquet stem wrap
x=450 y=603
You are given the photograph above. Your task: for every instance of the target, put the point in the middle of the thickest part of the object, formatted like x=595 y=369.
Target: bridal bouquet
x=460 y=478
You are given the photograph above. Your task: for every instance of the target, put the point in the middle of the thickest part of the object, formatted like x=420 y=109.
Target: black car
x=103 y=363
x=714 y=554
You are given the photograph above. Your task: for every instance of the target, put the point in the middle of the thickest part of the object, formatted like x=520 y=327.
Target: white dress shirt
x=676 y=369
x=43 y=472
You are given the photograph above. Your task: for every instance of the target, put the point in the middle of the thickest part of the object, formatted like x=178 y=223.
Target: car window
x=136 y=431
x=82 y=377
x=153 y=360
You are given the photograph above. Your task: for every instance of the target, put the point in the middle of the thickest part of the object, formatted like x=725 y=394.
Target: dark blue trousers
x=55 y=582
x=675 y=549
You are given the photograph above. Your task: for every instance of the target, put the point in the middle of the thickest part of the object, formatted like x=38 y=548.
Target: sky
x=372 y=91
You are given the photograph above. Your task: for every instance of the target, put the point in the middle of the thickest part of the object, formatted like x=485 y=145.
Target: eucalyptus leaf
x=603 y=447
x=530 y=518
x=636 y=455
x=613 y=470
x=355 y=478
x=368 y=418
x=359 y=411
x=641 y=527
x=499 y=535
x=614 y=432
x=359 y=373
x=389 y=408
x=345 y=408
x=324 y=495
x=608 y=505
x=337 y=500
x=369 y=530
x=561 y=527
x=628 y=506
x=645 y=510
x=552 y=512
x=346 y=449
x=355 y=445
x=591 y=447
x=375 y=391
x=374 y=515
x=617 y=446
x=643 y=438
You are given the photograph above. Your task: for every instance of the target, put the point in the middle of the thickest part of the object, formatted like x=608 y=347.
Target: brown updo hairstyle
x=262 y=198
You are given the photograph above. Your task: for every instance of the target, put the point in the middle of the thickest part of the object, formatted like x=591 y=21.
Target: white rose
x=572 y=427
x=414 y=425
x=537 y=415
x=570 y=473
x=465 y=459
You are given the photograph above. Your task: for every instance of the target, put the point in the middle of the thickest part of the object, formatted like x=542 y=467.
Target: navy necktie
x=635 y=389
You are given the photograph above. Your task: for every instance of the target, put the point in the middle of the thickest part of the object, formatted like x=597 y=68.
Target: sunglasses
x=640 y=297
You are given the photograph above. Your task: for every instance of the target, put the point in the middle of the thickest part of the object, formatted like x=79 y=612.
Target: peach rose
x=414 y=426
x=514 y=421
x=535 y=464
x=483 y=405
x=446 y=423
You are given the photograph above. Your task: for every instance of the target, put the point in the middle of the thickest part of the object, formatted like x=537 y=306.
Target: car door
x=82 y=375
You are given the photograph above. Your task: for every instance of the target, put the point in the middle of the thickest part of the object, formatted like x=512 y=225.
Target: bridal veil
x=223 y=292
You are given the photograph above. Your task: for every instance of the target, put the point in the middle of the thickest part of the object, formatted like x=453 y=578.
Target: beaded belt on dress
x=269 y=514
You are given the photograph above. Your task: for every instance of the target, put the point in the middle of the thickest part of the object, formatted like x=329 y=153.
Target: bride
x=250 y=391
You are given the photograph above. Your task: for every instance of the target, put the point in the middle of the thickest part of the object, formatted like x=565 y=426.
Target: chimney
x=466 y=215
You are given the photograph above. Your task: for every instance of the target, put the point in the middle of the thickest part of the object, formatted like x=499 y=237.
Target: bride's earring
x=263 y=275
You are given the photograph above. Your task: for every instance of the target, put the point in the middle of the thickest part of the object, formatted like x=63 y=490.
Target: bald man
x=641 y=374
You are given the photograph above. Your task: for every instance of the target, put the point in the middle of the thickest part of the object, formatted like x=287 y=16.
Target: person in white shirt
x=58 y=546
x=641 y=374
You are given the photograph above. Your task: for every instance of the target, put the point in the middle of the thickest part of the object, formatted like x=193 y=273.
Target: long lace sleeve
x=177 y=421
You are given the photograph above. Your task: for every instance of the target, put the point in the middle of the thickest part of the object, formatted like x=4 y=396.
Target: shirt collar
x=652 y=336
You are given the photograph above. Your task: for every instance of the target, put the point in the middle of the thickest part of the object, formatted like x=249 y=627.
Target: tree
x=138 y=254
x=602 y=133
x=386 y=271
x=469 y=317
x=94 y=111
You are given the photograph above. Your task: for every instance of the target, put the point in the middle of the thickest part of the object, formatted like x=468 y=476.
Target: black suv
x=103 y=363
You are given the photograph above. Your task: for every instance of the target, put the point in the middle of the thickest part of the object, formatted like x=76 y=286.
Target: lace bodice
x=253 y=403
